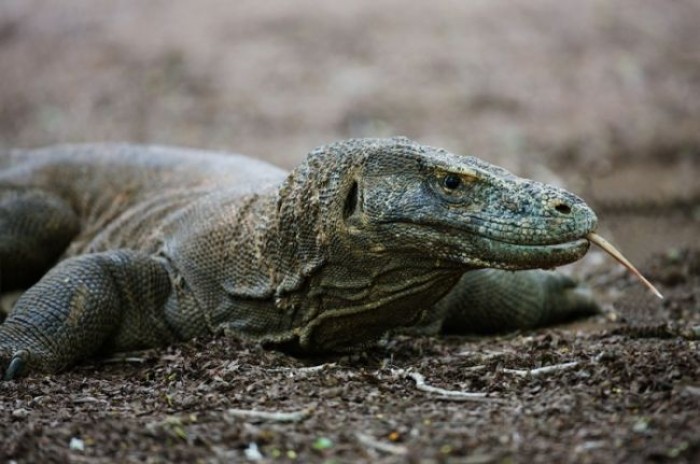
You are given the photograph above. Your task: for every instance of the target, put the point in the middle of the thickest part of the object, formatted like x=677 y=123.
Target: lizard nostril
x=563 y=208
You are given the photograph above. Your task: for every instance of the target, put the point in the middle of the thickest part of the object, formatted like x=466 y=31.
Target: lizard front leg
x=86 y=304
x=35 y=228
x=490 y=300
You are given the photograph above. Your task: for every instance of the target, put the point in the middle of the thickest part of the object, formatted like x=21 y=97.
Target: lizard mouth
x=563 y=253
x=515 y=256
x=484 y=250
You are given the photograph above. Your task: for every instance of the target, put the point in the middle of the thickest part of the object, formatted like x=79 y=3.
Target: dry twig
x=269 y=416
x=541 y=370
x=484 y=356
x=373 y=443
x=422 y=386
x=300 y=370
x=692 y=390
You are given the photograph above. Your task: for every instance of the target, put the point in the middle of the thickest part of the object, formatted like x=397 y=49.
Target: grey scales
x=124 y=247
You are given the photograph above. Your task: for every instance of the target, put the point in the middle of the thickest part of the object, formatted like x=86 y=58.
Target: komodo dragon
x=157 y=244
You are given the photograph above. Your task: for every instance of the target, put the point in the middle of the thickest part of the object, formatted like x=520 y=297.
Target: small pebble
x=76 y=444
x=20 y=413
x=252 y=452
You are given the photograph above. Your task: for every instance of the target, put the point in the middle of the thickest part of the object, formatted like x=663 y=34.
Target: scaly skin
x=365 y=236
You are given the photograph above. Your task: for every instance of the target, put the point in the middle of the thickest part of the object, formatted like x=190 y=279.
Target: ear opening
x=350 y=201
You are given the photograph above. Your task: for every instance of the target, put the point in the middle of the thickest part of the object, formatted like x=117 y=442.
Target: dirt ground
x=603 y=97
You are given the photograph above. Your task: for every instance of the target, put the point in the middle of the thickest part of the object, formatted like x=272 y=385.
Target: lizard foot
x=566 y=299
x=18 y=362
x=492 y=301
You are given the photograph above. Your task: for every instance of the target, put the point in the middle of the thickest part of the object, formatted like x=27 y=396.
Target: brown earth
x=603 y=97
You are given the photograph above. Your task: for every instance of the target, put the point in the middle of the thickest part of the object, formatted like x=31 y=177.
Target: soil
x=599 y=96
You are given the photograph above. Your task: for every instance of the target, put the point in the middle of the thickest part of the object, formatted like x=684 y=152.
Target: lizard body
x=123 y=247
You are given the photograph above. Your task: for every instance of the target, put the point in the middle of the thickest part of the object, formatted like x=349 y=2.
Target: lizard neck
x=308 y=212
x=361 y=297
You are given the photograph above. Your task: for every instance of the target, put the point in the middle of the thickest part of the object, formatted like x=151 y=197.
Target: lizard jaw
x=509 y=256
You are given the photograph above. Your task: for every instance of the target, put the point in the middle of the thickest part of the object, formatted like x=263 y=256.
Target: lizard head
x=426 y=202
x=383 y=228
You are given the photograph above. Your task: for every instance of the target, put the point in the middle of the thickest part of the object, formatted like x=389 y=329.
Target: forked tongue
x=612 y=251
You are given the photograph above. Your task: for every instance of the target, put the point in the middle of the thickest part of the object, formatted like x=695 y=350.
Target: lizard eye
x=451 y=182
x=454 y=186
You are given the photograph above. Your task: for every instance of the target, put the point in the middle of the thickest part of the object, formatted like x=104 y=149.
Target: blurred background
x=600 y=96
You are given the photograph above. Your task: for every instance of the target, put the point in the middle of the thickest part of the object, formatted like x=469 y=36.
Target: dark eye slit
x=350 y=201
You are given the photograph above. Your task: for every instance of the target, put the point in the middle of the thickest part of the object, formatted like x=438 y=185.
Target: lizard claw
x=19 y=360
